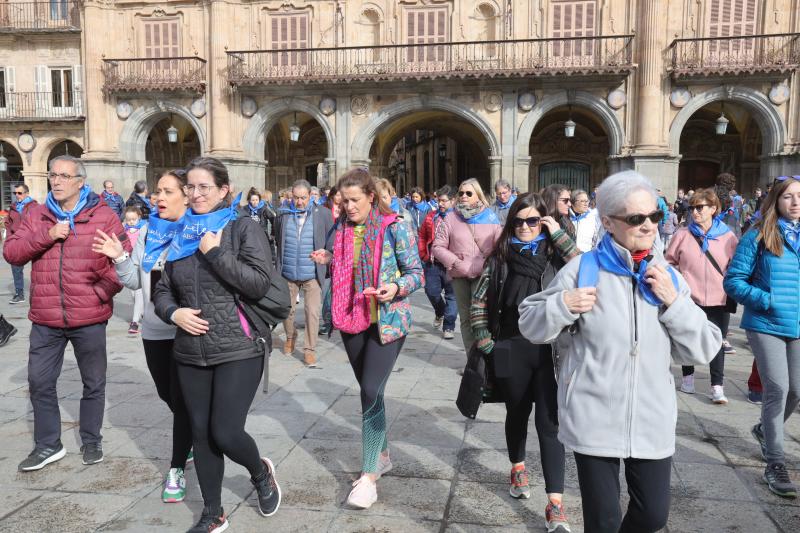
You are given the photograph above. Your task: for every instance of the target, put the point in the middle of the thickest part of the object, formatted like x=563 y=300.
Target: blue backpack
x=589 y=271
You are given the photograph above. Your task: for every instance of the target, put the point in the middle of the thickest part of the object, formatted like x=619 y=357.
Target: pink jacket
x=463 y=248
x=684 y=253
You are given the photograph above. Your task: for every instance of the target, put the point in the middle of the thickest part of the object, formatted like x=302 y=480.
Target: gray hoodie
x=616 y=394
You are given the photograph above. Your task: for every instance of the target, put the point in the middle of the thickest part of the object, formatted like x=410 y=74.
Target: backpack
x=589 y=271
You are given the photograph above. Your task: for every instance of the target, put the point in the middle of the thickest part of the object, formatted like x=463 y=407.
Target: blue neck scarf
x=485 y=216
x=422 y=206
x=575 y=218
x=138 y=225
x=195 y=226
x=159 y=235
x=791 y=232
x=69 y=216
x=532 y=245
x=291 y=209
x=441 y=215
x=108 y=196
x=717 y=229
x=506 y=205
x=20 y=206
x=395 y=205
x=610 y=260
x=256 y=209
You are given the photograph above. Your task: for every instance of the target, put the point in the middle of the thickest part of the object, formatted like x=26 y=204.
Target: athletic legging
x=218 y=398
x=372 y=363
x=722 y=319
x=529 y=378
x=165 y=376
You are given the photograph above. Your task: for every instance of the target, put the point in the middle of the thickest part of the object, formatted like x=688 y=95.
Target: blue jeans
x=19 y=278
x=435 y=282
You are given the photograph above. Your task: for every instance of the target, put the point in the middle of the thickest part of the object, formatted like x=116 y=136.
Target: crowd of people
x=577 y=301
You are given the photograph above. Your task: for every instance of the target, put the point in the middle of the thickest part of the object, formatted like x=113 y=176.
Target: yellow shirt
x=358 y=244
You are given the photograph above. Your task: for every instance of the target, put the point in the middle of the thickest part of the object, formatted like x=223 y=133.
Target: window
x=58 y=10
x=728 y=18
x=573 y=18
x=424 y=26
x=289 y=32
x=162 y=39
x=61 y=87
x=373 y=34
x=487 y=14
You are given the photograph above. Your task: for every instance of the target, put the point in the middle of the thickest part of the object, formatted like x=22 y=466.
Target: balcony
x=41 y=106
x=769 y=55
x=40 y=17
x=581 y=56
x=174 y=74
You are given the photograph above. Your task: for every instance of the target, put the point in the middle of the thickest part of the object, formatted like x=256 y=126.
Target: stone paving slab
x=450 y=474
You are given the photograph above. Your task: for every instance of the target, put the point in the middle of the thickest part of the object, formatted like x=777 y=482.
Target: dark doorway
x=697 y=174
x=573 y=175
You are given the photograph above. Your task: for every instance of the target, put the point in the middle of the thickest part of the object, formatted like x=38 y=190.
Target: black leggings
x=648 y=487
x=165 y=376
x=722 y=319
x=529 y=378
x=218 y=398
x=372 y=363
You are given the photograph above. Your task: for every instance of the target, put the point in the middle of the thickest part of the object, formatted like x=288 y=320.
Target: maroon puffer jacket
x=71 y=286
x=14 y=219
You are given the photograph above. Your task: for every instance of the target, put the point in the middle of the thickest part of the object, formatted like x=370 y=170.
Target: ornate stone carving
x=359 y=104
x=779 y=93
x=26 y=142
x=617 y=98
x=249 y=106
x=124 y=109
x=199 y=107
x=492 y=101
x=526 y=101
x=327 y=105
x=680 y=96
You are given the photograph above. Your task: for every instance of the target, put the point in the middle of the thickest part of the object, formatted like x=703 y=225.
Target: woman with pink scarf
x=375 y=265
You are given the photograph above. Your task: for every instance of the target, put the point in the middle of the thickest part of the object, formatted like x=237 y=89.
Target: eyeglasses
x=19 y=193
x=639 y=219
x=53 y=176
x=468 y=194
x=202 y=189
x=697 y=208
x=532 y=222
x=565 y=200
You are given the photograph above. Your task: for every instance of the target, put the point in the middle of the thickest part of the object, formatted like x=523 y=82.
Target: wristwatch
x=121 y=259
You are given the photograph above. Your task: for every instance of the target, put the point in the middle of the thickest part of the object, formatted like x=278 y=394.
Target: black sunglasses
x=532 y=222
x=637 y=220
x=468 y=193
x=698 y=207
x=19 y=193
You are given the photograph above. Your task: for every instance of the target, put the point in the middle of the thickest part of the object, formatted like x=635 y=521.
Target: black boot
x=6 y=331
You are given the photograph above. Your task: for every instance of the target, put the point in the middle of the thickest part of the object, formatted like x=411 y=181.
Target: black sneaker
x=211 y=522
x=267 y=489
x=6 y=331
x=92 y=453
x=758 y=433
x=778 y=480
x=17 y=299
x=41 y=457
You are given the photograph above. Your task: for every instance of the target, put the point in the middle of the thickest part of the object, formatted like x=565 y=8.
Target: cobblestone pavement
x=450 y=474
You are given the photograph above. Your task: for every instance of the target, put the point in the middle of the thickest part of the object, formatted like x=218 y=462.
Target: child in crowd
x=133 y=222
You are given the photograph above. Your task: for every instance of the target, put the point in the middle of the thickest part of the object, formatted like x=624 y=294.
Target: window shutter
x=40 y=84
x=574 y=18
x=426 y=26
x=11 y=79
x=77 y=84
x=730 y=18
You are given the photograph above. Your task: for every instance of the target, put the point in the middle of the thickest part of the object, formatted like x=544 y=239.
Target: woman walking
x=141 y=270
x=529 y=252
x=585 y=221
x=701 y=252
x=220 y=358
x=616 y=397
x=462 y=243
x=135 y=226
x=418 y=208
x=374 y=267
x=764 y=276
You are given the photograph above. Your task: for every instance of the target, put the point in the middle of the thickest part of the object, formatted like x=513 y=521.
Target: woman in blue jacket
x=764 y=276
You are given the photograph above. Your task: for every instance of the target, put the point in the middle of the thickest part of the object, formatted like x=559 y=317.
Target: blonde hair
x=476 y=186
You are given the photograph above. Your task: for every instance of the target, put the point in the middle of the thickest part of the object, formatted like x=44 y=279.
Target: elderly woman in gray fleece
x=619 y=314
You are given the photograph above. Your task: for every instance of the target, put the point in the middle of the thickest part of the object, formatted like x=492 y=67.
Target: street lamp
x=294 y=130
x=172 y=132
x=442 y=151
x=722 y=123
x=569 y=125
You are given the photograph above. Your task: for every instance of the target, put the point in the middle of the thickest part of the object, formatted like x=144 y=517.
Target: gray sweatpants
x=778 y=360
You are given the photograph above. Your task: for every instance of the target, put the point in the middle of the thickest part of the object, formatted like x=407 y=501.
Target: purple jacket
x=463 y=248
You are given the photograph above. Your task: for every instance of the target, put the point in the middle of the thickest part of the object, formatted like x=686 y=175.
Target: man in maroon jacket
x=72 y=291
x=21 y=208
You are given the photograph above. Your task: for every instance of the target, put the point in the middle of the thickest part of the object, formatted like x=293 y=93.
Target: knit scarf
x=477 y=214
x=20 y=206
x=159 y=235
x=525 y=268
x=791 y=232
x=254 y=210
x=717 y=229
x=187 y=241
x=349 y=305
x=68 y=216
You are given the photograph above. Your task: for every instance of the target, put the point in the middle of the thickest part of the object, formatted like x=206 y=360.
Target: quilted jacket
x=71 y=286
x=14 y=219
x=210 y=283
x=767 y=286
x=322 y=220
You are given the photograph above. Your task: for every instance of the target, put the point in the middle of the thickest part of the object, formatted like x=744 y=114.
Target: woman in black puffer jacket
x=220 y=356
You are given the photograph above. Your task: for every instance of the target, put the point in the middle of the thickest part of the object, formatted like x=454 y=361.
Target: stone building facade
x=424 y=92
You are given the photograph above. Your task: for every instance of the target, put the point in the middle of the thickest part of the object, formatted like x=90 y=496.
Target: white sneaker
x=717 y=395
x=448 y=334
x=438 y=321
x=384 y=464
x=687 y=384
x=364 y=493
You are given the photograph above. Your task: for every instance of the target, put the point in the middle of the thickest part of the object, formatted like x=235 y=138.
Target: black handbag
x=730 y=303
x=477 y=384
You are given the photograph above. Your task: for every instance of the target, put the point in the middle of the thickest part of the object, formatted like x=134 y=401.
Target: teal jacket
x=767 y=286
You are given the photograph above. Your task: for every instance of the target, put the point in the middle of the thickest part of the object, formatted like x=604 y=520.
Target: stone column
x=651 y=100
x=222 y=126
x=99 y=139
x=495 y=167
x=522 y=172
x=342 y=135
x=508 y=127
x=37 y=183
x=332 y=177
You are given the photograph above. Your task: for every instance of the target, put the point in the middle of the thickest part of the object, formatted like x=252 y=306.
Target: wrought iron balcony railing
x=44 y=106
x=150 y=74
x=53 y=15
x=528 y=57
x=751 y=54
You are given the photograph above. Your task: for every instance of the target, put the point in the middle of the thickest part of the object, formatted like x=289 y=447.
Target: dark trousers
x=164 y=372
x=18 y=272
x=720 y=318
x=45 y=360
x=648 y=487
x=436 y=282
x=372 y=364
x=529 y=379
x=217 y=399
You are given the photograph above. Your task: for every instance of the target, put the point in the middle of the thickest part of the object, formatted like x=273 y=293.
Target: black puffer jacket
x=210 y=282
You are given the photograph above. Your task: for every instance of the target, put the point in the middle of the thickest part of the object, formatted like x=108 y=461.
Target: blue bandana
x=717 y=229
x=254 y=210
x=577 y=218
x=610 y=260
x=791 y=232
x=395 y=205
x=69 y=216
x=487 y=216
x=138 y=225
x=507 y=205
x=160 y=233
x=422 y=206
x=441 y=215
x=20 y=206
x=291 y=209
x=108 y=196
x=532 y=245
x=195 y=226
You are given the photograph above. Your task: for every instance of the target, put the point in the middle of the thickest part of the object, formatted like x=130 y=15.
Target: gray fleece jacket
x=616 y=394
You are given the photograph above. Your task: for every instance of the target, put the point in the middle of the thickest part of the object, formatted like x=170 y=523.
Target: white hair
x=615 y=189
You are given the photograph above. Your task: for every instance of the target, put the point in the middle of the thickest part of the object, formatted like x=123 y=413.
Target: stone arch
x=52 y=144
x=598 y=106
x=764 y=113
x=137 y=127
x=366 y=134
x=255 y=136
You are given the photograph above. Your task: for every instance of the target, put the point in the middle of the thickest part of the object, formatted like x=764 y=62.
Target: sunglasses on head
x=784 y=178
x=468 y=194
x=637 y=220
x=530 y=221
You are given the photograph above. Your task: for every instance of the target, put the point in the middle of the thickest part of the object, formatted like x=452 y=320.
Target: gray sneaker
x=17 y=299
x=778 y=480
x=758 y=433
x=92 y=453
x=41 y=457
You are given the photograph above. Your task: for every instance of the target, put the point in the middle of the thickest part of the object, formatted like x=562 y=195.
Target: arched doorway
x=12 y=176
x=296 y=147
x=163 y=153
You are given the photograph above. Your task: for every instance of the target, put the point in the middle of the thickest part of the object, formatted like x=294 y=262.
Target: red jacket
x=14 y=219
x=71 y=286
x=426 y=234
